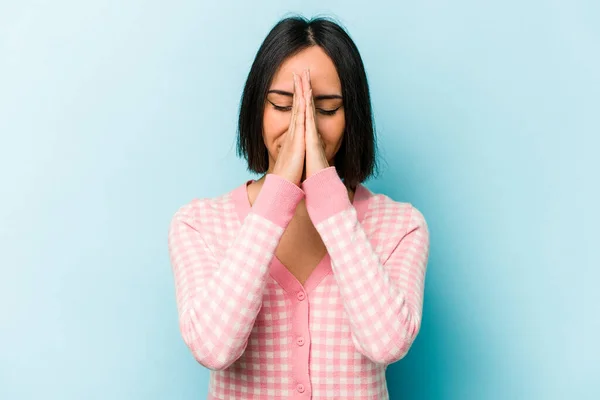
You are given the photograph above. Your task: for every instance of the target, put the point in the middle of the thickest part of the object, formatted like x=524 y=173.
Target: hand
x=316 y=159
x=290 y=159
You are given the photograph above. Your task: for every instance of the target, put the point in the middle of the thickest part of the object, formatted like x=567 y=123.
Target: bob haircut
x=355 y=160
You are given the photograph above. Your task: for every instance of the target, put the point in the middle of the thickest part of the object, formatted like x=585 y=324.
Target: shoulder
x=388 y=222
x=385 y=215
x=205 y=211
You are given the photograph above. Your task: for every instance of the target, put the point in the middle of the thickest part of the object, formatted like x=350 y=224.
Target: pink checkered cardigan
x=264 y=335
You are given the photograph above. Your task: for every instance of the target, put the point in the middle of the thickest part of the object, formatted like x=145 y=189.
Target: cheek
x=331 y=129
x=274 y=124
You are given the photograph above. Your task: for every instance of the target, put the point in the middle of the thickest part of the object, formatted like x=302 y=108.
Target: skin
x=324 y=132
x=324 y=81
x=301 y=247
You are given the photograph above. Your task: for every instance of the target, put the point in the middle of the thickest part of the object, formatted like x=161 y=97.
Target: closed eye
x=328 y=112
x=320 y=110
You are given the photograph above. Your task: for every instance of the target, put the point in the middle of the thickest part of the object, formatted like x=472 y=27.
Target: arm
x=218 y=299
x=383 y=301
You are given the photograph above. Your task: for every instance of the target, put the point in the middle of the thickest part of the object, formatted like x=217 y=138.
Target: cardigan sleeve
x=383 y=300
x=218 y=299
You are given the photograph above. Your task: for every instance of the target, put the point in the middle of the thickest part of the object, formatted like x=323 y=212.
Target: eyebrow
x=319 y=97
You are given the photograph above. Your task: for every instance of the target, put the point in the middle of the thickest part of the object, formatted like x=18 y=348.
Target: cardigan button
x=300 y=388
x=300 y=296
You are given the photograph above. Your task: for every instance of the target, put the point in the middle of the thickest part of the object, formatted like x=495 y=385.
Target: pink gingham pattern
x=262 y=334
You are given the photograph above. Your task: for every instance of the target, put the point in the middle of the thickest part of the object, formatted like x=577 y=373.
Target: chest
x=300 y=250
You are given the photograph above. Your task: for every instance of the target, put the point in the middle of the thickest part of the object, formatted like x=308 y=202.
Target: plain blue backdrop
x=113 y=114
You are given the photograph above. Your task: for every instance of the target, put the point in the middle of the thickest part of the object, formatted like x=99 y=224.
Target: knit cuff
x=277 y=200
x=326 y=194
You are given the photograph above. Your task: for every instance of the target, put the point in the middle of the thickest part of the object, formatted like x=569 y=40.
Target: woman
x=301 y=284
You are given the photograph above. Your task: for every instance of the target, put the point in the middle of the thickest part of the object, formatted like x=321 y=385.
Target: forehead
x=323 y=75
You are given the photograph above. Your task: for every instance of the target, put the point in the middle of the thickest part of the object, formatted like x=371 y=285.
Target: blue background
x=113 y=114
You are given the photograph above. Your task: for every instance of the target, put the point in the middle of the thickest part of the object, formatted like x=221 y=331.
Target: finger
x=300 y=117
x=306 y=82
x=310 y=112
x=307 y=92
x=299 y=86
x=309 y=98
x=294 y=106
x=301 y=106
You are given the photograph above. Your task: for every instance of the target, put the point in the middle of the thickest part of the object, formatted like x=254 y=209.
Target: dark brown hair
x=355 y=160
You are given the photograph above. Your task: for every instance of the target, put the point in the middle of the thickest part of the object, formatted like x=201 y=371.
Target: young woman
x=302 y=284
